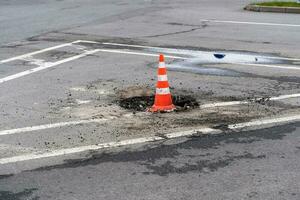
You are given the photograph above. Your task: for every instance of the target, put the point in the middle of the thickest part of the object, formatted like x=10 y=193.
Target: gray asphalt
x=262 y=164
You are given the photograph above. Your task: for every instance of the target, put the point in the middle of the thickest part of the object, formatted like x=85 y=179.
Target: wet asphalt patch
x=150 y=154
x=26 y=194
x=142 y=103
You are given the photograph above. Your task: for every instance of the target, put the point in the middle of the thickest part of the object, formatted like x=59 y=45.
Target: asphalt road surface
x=77 y=76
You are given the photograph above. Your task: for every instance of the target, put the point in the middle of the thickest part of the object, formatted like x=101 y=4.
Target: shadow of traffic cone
x=163 y=99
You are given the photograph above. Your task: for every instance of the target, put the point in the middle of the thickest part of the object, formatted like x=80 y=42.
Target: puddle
x=196 y=60
x=142 y=103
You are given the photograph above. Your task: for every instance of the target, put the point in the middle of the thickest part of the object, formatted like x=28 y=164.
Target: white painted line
x=269 y=66
x=87 y=121
x=87 y=41
x=63 y=152
x=220 y=104
x=192 y=132
x=233 y=103
x=46 y=66
x=131 y=45
x=288 y=96
x=152 y=47
x=50 y=126
x=37 y=52
x=265 y=122
x=179 y=57
x=251 y=23
x=137 y=53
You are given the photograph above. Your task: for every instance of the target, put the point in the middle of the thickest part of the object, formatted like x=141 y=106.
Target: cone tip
x=161 y=58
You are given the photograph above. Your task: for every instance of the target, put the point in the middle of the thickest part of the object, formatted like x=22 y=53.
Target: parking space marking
x=261 y=123
x=221 y=104
x=53 y=125
x=233 y=103
x=46 y=65
x=179 y=57
x=287 y=96
x=138 y=53
x=269 y=66
x=152 y=47
x=88 y=121
x=37 y=52
x=250 y=23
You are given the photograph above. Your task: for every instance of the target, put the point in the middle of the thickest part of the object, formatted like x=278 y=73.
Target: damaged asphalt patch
x=142 y=103
x=111 y=98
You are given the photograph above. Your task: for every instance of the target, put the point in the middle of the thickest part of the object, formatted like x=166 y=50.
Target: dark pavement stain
x=212 y=165
x=5 y=176
x=26 y=194
x=159 y=150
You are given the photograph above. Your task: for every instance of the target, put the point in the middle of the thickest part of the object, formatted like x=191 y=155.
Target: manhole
x=142 y=103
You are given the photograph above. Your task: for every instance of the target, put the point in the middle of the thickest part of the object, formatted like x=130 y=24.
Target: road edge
x=277 y=9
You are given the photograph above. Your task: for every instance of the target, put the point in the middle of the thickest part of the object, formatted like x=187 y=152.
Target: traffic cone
x=163 y=99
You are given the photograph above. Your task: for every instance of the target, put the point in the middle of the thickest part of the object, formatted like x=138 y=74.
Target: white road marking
x=37 y=52
x=78 y=101
x=152 y=47
x=137 y=53
x=265 y=122
x=63 y=152
x=288 y=96
x=233 y=103
x=179 y=57
x=269 y=66
x=220 y=104
x=87 y=121
x=87 y=41
x=251 y=23
x=50 y=126
x=46 y=65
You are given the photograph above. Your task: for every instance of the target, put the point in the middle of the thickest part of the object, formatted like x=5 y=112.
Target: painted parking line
x=287 y=96
x=187 y=51
x=175 y=51
x=38 y=52
x=251 y=23
x=233 y=103
x=269 y=66
x=261 y=123
x=52 y=125
x=223 y=104
x=46 y=65
x=180 y=57
x=88 y=121
x=138 y=53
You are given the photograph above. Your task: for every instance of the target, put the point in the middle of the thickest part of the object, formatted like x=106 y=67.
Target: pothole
x=142 y=103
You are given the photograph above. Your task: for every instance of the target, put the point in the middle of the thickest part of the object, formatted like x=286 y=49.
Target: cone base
x=155 y=108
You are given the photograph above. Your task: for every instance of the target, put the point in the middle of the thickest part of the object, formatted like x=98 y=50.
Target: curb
x=277 y=9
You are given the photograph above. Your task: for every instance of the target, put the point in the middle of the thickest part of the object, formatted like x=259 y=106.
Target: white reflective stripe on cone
x=161 y=65
x=162 y=91
x=162 y=77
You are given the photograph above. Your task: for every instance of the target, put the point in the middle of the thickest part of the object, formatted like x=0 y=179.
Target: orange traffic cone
x=163 y=98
